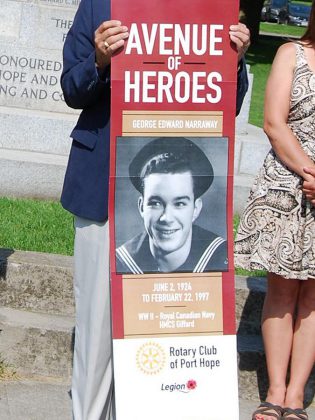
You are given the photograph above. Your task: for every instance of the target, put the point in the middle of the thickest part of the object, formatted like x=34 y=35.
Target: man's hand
x=240 y=35
x=109 y=39
x=308 y=186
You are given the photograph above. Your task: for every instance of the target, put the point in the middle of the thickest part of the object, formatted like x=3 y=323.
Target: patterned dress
x=277 y=228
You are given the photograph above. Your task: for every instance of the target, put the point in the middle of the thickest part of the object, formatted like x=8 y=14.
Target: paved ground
x=30 y=400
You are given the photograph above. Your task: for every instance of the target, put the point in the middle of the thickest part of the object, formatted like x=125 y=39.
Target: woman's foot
x=268 y=411
x=272 y=408
x=294 y=399
x=294 y=414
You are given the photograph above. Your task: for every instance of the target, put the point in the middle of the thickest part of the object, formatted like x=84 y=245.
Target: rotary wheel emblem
x=151 y=358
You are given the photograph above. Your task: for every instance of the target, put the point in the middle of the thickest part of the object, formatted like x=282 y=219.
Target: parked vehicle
x=272 y=9
x=297 y=14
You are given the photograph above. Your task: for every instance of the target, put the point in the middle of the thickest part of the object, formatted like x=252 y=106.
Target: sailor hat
x=180 y=152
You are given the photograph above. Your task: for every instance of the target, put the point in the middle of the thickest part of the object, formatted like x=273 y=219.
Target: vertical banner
x=171 y=186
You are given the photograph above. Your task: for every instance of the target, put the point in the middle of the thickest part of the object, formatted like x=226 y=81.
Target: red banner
x=171 y=185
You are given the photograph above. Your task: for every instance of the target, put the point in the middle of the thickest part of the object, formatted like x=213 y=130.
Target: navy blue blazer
x=85 y=189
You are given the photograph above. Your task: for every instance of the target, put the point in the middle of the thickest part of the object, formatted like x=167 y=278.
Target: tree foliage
x=250 y=11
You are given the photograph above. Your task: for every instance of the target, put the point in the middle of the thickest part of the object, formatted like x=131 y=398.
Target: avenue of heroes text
x=174 y=44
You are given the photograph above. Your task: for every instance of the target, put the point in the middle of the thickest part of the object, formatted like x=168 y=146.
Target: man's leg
x=92 y=379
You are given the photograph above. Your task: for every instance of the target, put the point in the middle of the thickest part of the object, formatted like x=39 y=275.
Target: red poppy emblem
x=191 y=384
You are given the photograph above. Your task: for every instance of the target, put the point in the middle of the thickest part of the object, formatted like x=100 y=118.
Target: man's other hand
x=240 y=36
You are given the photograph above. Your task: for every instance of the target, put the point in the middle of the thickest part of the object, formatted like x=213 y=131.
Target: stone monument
x=35 y=122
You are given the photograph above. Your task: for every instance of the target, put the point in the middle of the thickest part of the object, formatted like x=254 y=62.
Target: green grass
x=33 y=225
x=308 y=3
x=260 y=57
x=275 y=28
x=44 y=226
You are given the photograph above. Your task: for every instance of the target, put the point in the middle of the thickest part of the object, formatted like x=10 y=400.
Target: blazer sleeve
x=242 y=85
x=80 y=82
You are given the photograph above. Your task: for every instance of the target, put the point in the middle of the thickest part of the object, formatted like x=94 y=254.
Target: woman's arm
x=277 y=105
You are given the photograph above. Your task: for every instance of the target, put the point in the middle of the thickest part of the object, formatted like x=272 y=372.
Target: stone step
x=36 y=281
x=37 y=344
x=40 y=346
x=250 y=293
x=42 y=282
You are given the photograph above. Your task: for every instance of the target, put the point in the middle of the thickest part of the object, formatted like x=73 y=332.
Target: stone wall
x=34 y=120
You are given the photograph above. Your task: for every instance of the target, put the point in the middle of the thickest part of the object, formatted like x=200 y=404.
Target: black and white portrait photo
x=170 y=204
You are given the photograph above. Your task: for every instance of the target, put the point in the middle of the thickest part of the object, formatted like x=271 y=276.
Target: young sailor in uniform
x=171 y=175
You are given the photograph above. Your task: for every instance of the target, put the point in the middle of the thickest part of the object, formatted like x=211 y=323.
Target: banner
x=171 y=226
